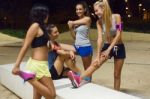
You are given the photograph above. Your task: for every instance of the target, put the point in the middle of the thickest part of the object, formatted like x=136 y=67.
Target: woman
x=109 y=24
x=80 y=32
x=37 y=37
x=57 y=57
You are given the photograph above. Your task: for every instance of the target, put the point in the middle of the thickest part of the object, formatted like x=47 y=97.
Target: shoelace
x=115 y=49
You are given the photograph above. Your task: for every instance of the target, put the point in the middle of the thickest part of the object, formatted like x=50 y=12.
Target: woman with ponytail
x=110 y=25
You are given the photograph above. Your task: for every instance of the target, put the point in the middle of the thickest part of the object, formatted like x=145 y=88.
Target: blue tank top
x=52 y=55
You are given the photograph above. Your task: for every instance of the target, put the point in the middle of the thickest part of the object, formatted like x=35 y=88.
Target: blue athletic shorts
x=118 y=51
x=84 y=51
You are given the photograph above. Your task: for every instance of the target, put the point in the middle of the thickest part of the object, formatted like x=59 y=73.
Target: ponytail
x=107 y=15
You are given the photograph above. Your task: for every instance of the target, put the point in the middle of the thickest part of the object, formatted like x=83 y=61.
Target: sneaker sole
x=73 y=81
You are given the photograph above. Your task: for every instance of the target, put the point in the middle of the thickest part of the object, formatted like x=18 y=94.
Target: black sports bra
x=40 y=41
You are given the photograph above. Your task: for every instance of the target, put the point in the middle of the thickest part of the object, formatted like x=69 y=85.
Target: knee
x=51 y=96
x=61 y=57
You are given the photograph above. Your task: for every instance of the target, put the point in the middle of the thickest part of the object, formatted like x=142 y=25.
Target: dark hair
x=85 y=6
x=38 y=13
x=49 y=28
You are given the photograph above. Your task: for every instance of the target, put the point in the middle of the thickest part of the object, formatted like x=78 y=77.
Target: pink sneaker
x=83 y=82
x=75 y=79
x=27 y=75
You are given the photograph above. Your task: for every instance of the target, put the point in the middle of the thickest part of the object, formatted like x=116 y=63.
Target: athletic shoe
x=75 y=79
x=83 y=82
x=27 y=75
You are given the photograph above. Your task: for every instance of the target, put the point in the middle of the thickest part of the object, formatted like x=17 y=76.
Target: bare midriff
x=110 y=40
x=40 y=53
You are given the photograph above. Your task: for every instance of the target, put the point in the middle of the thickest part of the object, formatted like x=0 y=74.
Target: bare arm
x=99 y=39
x=63 y=52
x=31 y=33
x=73 y=33
x=118 y=34
x=85 y=20
x=72 y=24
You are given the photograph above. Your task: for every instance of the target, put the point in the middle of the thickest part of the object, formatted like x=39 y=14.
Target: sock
x=87 y=79
x=77 y=73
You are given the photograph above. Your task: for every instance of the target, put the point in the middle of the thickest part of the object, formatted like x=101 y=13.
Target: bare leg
x=72 y=65
x=59 y=64
x=36 y=95
x=92 y=68
x=48 y=82
x=118 y=63
x=43 y=87
x=86 y=61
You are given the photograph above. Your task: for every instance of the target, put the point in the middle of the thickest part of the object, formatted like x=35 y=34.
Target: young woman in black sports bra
x=38 y=74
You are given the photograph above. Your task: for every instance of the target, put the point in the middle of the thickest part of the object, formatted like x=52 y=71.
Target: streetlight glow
x=129 y=16
x=140 y=5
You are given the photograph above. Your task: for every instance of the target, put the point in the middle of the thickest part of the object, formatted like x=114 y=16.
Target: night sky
x=16 y=12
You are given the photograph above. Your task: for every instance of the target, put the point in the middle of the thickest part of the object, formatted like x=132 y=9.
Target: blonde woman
x=109 y=24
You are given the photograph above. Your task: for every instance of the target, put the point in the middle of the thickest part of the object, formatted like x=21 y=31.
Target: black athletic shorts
x=118 y=51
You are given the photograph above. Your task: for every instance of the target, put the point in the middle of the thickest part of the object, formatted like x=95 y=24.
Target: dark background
x=15 y=13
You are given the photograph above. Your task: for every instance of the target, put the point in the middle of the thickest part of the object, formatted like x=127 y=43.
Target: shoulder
x=33 y=29
x=87 y=18
x=99 y=22
x=116 y=16
x=35 y=26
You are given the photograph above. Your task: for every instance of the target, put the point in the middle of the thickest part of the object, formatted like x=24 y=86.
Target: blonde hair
x=107 y=15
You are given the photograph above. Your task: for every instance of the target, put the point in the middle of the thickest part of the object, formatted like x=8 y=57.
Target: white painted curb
x=63 y=87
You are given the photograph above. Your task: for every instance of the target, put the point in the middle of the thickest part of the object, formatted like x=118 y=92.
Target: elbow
x=119 y=36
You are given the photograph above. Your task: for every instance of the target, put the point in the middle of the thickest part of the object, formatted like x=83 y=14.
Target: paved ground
x=135 y=74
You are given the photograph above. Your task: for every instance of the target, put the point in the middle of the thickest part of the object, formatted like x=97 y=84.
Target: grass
x=14 y=32
x=65 y=37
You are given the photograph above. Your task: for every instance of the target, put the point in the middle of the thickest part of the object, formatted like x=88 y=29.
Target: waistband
x=38 y=61
x=84 y=45
x=115 y=44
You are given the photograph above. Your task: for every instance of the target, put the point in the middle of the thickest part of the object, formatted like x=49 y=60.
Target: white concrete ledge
x=63 y=87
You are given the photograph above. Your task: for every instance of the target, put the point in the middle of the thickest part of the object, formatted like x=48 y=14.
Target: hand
x=16 y=70
x=72 y=55
x=96 y=61
x=70 y=24
x=105 y=54
x=55 y=47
